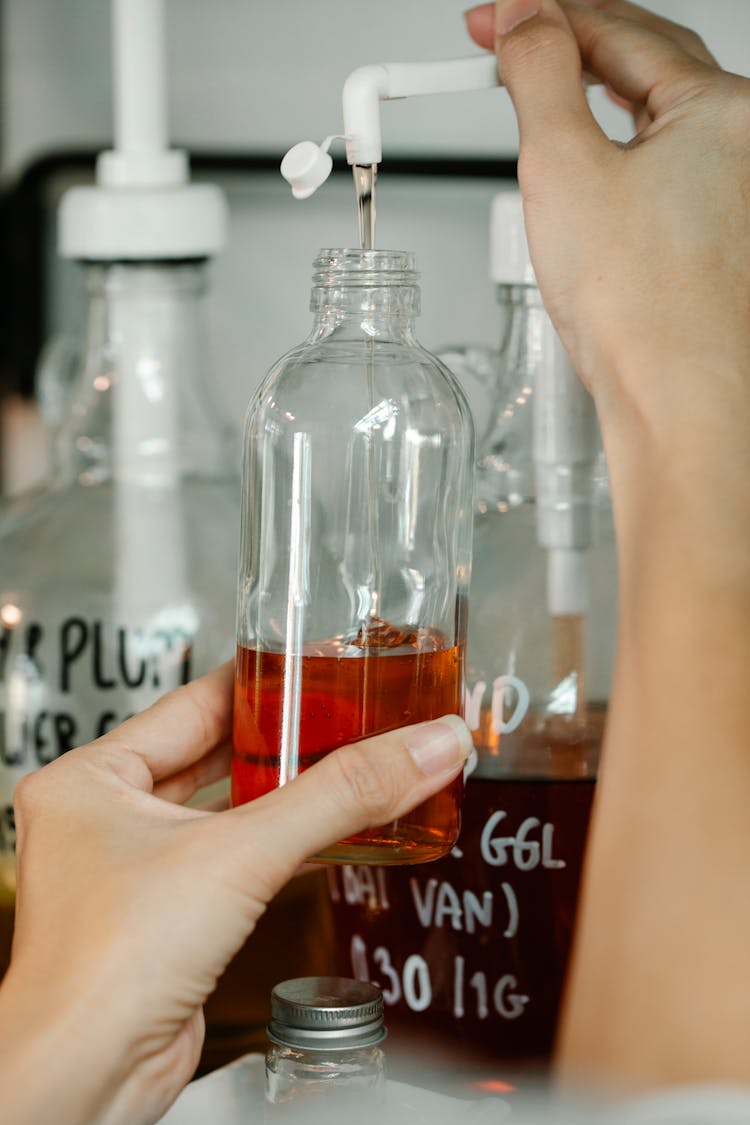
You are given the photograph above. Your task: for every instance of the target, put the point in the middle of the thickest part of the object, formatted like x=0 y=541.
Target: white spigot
x=368 y=86
x=307 y=165
x=565 y=441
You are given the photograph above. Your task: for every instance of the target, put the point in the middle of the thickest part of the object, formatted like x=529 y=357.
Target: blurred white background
x=253 y=74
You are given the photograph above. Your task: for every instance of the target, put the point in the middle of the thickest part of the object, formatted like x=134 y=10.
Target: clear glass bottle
x=114 y=586
x=356 y=546
x=489 y=927
x=325 y=1055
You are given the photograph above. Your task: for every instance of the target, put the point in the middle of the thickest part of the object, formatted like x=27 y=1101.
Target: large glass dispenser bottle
x=471 y=951
x=356 y=545
x=115 y=578
x=476 y=366
x=118 y=579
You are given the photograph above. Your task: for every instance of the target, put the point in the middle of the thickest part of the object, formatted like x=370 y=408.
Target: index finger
x=638 y=62
x=540 y=65
x=182 y=727
x=683 y=36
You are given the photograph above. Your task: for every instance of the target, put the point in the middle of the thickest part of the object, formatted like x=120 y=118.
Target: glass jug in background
x=115 y=582
x=471 y=951
x=476 y=367
x=118 y=583
x=356 y=546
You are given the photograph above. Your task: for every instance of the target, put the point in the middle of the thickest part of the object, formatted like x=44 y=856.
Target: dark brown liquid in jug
x=471 y=951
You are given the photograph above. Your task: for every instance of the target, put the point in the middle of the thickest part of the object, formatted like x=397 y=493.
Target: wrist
x=57 y=1063
x=679 y=464
x=73 y=1048
x=675 y=392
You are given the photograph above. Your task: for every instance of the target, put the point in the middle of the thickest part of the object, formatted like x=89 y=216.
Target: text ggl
x=438 y=904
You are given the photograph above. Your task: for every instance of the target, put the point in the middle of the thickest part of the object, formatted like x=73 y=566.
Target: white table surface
x=234 y=1095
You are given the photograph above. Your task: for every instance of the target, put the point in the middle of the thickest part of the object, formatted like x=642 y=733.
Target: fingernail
x=510 y=13
x=439 y=745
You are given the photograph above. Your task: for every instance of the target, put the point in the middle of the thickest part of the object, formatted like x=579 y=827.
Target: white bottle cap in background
x=510 y=263
x=110 y=224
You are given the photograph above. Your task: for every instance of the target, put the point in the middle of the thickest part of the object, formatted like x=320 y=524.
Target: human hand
x=130 y=905
x=641 y=255
x=641 y=250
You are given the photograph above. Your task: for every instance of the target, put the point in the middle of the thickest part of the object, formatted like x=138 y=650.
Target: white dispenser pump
x=363 y=91
x=142 y=222
x=143 y=207
x=368 y=86
x=565 y=443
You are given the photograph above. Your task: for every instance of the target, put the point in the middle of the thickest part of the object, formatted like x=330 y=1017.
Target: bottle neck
x=142 y=409
x=364 y=294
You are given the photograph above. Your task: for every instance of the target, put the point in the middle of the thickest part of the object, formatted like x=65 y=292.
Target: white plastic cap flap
x=306 y=166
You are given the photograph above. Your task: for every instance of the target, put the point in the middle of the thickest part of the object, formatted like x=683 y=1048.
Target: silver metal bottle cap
x=326 y=1014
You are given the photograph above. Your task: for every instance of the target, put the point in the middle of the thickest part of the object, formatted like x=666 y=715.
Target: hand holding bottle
x=130 y=905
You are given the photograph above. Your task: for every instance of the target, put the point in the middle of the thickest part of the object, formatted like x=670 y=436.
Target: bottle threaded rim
x=337 y=267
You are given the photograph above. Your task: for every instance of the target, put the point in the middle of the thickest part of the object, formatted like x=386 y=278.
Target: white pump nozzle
x=308 y=165
x=143 y=207
x=368 y=86
x=364 y=90
x=141 y=155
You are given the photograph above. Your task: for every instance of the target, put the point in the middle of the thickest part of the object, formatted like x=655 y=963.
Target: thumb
x=540 y=64
x=364 y=785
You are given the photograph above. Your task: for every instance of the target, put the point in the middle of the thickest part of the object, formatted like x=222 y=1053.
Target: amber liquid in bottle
x=380 y=681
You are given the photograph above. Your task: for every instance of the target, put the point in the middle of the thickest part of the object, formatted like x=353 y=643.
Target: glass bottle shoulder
x=349 y=380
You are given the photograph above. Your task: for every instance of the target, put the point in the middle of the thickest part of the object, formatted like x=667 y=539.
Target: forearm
x=657 y=992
